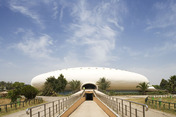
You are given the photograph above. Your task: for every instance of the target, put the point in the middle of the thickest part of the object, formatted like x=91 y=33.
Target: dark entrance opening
x=89 y=96
x=89 y=86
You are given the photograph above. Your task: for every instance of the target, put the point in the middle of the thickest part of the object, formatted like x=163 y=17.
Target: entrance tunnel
x=89 y=86
x=89 y=96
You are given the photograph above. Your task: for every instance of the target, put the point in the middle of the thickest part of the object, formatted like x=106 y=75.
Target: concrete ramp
x=89 y=109
x=89 y=105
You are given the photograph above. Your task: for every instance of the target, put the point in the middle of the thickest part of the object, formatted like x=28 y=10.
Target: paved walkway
x=88 y=109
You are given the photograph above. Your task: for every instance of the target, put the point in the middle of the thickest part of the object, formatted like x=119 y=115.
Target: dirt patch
x=4 y=101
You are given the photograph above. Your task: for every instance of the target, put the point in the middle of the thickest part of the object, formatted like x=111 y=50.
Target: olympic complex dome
x=120 y=80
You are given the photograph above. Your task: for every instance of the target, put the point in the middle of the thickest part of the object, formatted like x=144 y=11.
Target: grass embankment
x=156 y=106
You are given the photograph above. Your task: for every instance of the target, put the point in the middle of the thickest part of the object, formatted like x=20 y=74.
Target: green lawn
x=162 y=107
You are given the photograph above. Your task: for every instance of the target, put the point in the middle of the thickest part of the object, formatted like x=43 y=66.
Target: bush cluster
x=21 y=89
x=29 y=92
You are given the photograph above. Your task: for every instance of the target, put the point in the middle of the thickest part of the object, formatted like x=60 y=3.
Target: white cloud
x=19 y=30
x=155 y=74
x=129 y=51
x=95 y=29
x=164 y=23
x=165 y=15
x=61 y=13
x=55 y=9
x=167 y=47
x=0 y=42
x=35 y=46
x=26 y=8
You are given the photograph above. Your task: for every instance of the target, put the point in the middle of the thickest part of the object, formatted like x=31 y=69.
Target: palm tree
x=143 y=86
x=103 y=84
x=75 y=85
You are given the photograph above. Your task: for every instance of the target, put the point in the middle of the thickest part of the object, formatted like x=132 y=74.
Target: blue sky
x=38 y=36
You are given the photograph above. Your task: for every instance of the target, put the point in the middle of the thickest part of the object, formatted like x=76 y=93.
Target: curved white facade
x=120 y=80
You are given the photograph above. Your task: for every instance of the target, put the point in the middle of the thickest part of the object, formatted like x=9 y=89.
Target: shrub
x=29 y=92
x=75 y=85
x=160 y=92
x=48 y=90
x=13 y=95
x=103 y=83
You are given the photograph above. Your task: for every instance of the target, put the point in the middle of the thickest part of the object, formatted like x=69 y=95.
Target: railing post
x=53 y=108
x=38 y=114
x=136 y=112
x=44 y=110
x=63 y=104
x=30 y=112
x=122 y=107
x=66 y=102
x=59 y=106
x=15 y=105
x=117 y=105
x=143 y=111
x=56 y=108
x=130 y=110
x=49 y=111
x=6 y=107
x=169 y=106
x=125 y=109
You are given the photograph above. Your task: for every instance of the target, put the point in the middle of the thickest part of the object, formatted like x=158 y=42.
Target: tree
x=16 y=91
x=13 y=95
x=164 y=84
x=29 y=92
x=55 y=85
x=2 y=85
x=18 y=86
x=172 y=83
x=9 y=85
x=75 y=85
x=103 y=84
x=156 y=86
x=143 y=86
x=48 y=90
x=52 y=81
x=62 y=82
x=5 y=85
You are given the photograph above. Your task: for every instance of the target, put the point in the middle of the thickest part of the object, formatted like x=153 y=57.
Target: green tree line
x=169 y=85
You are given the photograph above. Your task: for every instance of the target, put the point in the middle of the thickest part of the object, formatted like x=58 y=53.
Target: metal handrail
x=118 y=103
x=65 y=100
x=136 y=103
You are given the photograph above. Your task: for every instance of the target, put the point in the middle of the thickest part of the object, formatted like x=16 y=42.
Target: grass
x=19 y=109
x=172 y=100
x=139 y=100
x=4 y=101
x=13 y=109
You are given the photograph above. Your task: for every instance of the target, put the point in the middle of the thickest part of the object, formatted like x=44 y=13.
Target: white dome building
x=120 y=80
